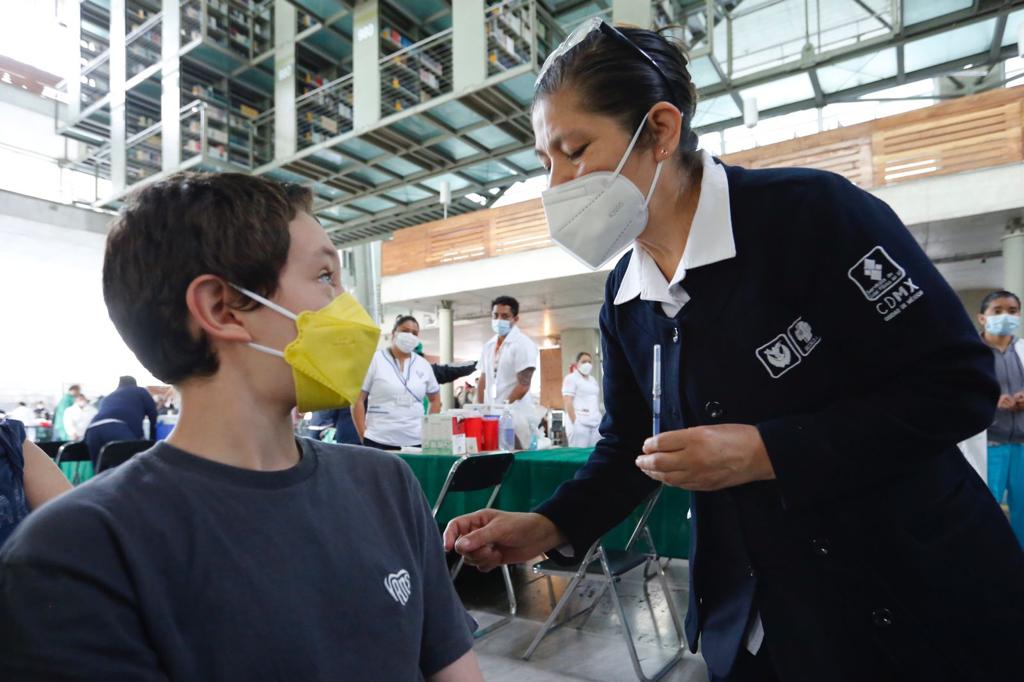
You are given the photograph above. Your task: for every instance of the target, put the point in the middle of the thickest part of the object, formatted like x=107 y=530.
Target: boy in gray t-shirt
x=235 y=551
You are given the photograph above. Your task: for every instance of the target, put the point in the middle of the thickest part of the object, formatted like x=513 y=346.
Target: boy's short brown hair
x=231 y=225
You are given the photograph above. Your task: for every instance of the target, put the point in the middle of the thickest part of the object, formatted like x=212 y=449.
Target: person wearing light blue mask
x=507 y=365
x=1000 y=321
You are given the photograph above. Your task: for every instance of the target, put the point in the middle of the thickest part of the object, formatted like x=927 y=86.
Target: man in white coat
x=507 y=365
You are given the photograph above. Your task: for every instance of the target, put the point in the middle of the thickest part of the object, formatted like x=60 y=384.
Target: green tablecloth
x=534 y=477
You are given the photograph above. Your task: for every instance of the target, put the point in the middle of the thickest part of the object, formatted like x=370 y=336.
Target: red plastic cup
x=490 y=434
x=475 y=429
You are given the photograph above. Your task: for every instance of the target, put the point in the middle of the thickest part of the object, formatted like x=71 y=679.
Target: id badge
x=404 y=399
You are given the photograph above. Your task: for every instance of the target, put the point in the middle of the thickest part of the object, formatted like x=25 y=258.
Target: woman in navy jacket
x=818 y=373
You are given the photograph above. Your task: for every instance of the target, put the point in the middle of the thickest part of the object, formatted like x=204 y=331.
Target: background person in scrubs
x=393 y=392
x=581 y=395
x=1000 y=320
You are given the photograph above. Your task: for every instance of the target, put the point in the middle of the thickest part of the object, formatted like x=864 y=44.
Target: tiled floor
x=591 y=648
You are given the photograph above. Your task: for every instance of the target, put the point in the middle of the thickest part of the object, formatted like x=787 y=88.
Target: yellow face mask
x=331 y=353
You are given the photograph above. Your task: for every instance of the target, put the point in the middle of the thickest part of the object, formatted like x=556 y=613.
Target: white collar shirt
x=710 y=241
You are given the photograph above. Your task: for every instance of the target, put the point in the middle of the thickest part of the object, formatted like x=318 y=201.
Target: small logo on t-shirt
x=399 y=586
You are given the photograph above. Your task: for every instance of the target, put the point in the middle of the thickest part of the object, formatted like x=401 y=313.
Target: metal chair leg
x=628 y=634
x=551 y=591
x=673 y=610
x=549 y=623
x=458 y=567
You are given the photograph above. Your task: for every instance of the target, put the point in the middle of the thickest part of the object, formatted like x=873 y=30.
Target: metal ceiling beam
x=427 y=143
x=819 y=95
x=458 y=165
x=478 y=187
x=851 y=94
x=997 y=35
x=979 y=12
x=873 y=13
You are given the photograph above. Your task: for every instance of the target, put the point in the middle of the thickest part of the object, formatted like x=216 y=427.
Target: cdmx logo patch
x=399 y=586
x=876 y=273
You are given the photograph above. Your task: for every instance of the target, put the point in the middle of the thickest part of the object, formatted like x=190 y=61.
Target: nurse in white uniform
x=507 y=364
x=388 y=414
x=582 y=403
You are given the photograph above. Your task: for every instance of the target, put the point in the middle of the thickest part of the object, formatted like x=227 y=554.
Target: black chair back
x=476 y=472
x=51 y=447
x=75 y=451
x=118 y=452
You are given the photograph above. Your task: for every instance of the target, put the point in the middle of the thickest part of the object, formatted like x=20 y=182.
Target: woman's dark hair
x=402 y=319
x=987 y=301
x=126 y=381
x=613 y=79
x=231 y=225
x=581 y=354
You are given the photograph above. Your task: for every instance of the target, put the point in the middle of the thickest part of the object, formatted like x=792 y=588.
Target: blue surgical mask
x=501 y=327
x=1002 y=325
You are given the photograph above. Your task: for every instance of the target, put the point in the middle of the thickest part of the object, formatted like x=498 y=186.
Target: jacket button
x=714 y=410
x=882 y=618
x=820 y=546
x=751 y=572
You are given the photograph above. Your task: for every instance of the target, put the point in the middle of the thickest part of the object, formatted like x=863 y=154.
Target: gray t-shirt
x=174 y=567
x=1008 y=426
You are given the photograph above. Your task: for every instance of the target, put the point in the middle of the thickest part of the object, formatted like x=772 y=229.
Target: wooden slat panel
x=522 y=227
x=966 y=134
x=966 y=140
x=449 y=245
x=844 y=157
x=406 y=252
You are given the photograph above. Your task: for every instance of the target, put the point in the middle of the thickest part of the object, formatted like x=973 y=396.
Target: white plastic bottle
x=506 y=431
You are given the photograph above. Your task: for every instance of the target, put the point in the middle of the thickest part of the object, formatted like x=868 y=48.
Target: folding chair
x=73 y=458
x=118 y=452
x=479 y=472
x=51 y=447
x=609 y=565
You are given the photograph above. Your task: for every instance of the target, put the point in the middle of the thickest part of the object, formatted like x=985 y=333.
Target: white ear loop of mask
x=273 y=306
x=625 y=157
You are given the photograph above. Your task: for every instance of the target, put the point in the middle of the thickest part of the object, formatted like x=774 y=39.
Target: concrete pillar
x=1013 y=257
x=576 y=341
x=70 y=14
x=632 y=12
x=366 y=64
x=285 y=124
x=366 y=278
x=469 y=44
x=170 y=84
x=446 y=325
x=118 y=123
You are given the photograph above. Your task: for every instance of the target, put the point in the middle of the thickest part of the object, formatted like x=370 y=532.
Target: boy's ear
x=213 y=308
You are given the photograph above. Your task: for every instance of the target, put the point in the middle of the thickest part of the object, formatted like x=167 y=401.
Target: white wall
x=32 y=152
x=55 y=326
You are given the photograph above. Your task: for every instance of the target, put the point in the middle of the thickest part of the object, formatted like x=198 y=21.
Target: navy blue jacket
x=129 y=404
x=877 y=552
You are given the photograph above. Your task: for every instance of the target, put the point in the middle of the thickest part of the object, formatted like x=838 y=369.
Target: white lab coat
x=500 y=369
x=394 y=414
x=585 y=394
x=77 y=420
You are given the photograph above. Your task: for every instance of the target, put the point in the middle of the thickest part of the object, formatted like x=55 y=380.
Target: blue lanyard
x=393 y=364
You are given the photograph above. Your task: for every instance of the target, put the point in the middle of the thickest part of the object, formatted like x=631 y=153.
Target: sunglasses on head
x=588 y=27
